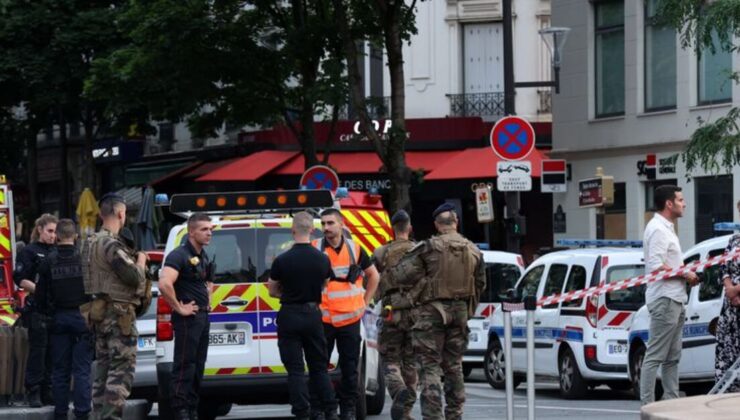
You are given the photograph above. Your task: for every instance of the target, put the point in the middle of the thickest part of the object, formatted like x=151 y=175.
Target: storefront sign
x=596 y=192
x=667 y=165
x=366 y=184
x=559 y=221
x=514 y=175
x=484 y=204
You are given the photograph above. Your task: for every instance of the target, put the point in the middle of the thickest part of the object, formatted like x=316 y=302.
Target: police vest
x=67 y=289
x=343 y=298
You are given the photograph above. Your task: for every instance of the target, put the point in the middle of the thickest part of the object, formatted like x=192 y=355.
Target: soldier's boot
x=34 y=398
x=347 y=412
x=398 y=408
x=182 y=414
x=46 y=397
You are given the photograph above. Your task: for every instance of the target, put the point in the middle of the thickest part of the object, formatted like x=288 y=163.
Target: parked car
x=696 y=368
x=145 y=376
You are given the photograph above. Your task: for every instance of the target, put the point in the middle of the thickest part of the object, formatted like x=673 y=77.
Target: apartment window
x=660 y=62
x=609 y=58
x=715 y=85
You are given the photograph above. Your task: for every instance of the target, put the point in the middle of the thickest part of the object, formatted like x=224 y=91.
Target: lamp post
x=554 y=38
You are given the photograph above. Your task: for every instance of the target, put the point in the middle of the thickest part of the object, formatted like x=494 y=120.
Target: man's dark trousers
x=300 y=331
x=38 y=370
x=71 y=350
x=189 y=360
x=348 y=342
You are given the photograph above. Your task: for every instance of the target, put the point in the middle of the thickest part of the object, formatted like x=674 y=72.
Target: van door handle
x=694 y=317
x=537 y=322
x=238 y=302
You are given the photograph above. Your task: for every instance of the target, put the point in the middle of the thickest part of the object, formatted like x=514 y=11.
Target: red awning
x=249 y=168
x=369 y=162
x=478 y=163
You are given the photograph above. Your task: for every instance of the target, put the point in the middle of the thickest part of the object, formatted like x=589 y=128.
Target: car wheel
x=361 y=404
x=572 y=384
x=636 y=365
x=467 y=370
x=494 y=366
x=376 y=402
x=208 y=410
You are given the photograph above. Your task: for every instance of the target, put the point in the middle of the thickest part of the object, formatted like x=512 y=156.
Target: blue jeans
x=71 y=349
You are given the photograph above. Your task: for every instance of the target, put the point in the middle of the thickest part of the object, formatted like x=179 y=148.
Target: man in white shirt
x=665 y=299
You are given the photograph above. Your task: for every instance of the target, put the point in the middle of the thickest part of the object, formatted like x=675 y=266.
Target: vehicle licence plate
x=147 y=342
x=617 y=348
x=237 y=338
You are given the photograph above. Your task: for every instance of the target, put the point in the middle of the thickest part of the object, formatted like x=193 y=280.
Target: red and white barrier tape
x=639 y=280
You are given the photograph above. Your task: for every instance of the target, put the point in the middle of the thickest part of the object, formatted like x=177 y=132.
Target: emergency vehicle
x=8 y=293
x=582 y=343
x=696 y=367
x=250 y=230
x=503 y=269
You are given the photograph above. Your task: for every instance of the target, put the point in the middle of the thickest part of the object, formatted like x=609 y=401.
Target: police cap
x=443 y=208
x=400 y=217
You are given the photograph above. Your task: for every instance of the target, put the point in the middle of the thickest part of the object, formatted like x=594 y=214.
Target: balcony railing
x=545 y=106
x=377 y=107
x=489 y=106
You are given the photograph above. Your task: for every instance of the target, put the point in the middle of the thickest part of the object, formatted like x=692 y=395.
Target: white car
x=582 y=342
x=145 y=376
x=503 y=269
x=696 y=368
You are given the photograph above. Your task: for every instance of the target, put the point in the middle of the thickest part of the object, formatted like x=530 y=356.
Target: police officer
x=117 y=282
x=447 y=272
x=61 y=291
x=297 y=277
x=186 y=282
x=394 y=341
x=343 y=303
x=28 y=261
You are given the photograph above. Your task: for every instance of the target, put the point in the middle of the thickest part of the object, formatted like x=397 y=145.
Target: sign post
x=320 y=177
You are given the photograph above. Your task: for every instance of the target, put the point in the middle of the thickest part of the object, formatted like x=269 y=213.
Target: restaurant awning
x=369 y=162
x=249 y=168
x=479 y=162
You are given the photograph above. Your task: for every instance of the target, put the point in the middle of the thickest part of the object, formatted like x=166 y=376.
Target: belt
x=300 y=305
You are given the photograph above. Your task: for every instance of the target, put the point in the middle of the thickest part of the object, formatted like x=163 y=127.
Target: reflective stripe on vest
x=342 y=302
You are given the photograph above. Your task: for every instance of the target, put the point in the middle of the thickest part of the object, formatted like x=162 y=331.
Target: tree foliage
x=708 y=25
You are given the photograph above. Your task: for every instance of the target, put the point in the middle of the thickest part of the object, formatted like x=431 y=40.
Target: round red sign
x=512 y=138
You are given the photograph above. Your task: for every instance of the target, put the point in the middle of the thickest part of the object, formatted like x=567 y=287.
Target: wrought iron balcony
x=545 y=106
x=489 y=106
x=377 y=107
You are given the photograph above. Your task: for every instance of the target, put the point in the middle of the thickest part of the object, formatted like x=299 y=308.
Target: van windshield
x=245 y=255
x=628 y=299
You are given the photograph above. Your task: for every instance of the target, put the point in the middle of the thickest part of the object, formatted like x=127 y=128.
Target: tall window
x=660 y=62
x=715 y=85
x=609 y=58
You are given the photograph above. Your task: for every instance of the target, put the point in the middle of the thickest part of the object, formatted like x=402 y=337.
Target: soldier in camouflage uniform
x=394 y=341
x=447 y=272
x=117 y=282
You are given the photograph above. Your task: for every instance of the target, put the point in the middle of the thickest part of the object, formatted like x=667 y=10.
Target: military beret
x=113 y=197
x=400 y=217
x=443 y=208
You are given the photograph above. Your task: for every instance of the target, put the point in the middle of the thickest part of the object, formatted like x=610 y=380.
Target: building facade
x=630 y=91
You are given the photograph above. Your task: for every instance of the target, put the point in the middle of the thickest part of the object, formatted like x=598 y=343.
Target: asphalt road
x=483 y=402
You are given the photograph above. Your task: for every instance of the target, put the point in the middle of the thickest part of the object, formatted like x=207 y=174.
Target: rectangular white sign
x=484 y=204
x=514 y=175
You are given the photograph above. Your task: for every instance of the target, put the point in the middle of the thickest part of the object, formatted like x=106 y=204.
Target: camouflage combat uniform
x=394 y=341
x=448 y=275
x=117 y=283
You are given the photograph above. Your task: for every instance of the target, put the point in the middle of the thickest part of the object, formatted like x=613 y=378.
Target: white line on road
x=549 y=407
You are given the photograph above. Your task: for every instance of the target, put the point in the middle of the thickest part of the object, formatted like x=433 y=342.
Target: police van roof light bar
x=582 y=243
x=251 y=201
x=726 y=226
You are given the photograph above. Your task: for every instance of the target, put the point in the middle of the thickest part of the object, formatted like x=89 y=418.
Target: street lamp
x=555 y=38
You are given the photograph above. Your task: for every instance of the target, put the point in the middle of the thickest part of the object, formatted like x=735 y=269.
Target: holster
x=126 y=314
x=97 y=310
x=85 y=310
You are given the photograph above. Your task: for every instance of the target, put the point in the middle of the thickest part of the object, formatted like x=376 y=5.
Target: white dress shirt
x=661 y=247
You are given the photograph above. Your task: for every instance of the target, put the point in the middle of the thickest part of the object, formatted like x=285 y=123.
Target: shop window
x=660 y=62
x=613 y=223
x=712 y=203
x=715 y=68
x=609 y=57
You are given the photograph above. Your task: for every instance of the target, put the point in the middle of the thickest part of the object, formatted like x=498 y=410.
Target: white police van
x=503 y=269
x=243 y=364
x=583 y=342
x=696 y=368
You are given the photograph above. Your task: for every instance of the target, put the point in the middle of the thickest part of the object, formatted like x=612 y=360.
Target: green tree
x=714 y=145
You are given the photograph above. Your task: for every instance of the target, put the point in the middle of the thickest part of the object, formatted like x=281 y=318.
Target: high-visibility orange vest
x=342 y=302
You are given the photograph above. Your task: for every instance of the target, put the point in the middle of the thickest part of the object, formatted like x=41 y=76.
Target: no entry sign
x=320 y=177
x=512 y=138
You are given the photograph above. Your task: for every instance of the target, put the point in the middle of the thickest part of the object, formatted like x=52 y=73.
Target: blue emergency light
x=483 y=246
x=342 y=192
x=726 y=226
x=599 y=243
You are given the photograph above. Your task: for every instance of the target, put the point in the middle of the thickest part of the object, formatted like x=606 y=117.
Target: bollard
x=530 y=304
x=509 y=372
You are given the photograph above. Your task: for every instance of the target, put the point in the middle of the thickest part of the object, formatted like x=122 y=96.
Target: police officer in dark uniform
x=38 y=378
x=297 y=277
x=60 y=292
x=185 y=282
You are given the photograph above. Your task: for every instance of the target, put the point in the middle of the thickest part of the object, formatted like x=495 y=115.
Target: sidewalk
x=135 y=410
x=715 y=407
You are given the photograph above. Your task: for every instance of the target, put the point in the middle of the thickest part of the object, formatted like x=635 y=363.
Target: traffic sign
x=514 y=176
x=484 y=204
x=512 y=138
x=553 y=176
x=596 y=192
x=320 y=177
